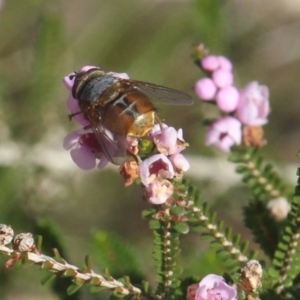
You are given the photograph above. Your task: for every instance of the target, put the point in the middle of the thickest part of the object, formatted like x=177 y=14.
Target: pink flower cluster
x=154 y=171
x=248 y=106
x=211 y=287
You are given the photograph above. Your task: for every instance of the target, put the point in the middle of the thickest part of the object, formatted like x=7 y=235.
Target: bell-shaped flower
x=85 y=149
x=155 y=166
x=214 y=287
x=224 y=133
x=159 y=191
x=253 y=107
x=179 y=162
x=168 y=140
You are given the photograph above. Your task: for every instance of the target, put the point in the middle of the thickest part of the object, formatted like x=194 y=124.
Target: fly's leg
x=158 y=120
x=74 y=114
x=136 y=158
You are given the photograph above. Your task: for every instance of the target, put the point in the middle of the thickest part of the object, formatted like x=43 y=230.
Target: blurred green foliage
x=42 y=41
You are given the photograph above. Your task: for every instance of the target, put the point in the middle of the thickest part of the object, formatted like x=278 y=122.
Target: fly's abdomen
x=132 y=114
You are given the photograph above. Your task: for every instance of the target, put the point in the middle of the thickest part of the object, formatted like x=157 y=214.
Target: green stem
x=286 y=258
x=165 y=254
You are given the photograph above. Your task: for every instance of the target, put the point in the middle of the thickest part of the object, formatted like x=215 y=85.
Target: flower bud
x=227 y=98
x=279 y=208
x=222 y=78
x=225 y=63
x=23 y=242
x=210 y=63
x=205 y=88
x=6 y=234
x=251 y=276
x=191 y=291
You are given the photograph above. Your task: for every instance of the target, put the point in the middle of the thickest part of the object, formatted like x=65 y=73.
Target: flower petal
x=83 y=158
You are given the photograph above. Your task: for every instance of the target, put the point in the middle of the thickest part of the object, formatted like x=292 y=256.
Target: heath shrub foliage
x=157 y=162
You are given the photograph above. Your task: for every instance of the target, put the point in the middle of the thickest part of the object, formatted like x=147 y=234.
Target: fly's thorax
x=95 y=87
x=81 y=78
x=98 y=89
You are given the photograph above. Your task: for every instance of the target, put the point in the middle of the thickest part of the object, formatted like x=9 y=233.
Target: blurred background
x=41 y=189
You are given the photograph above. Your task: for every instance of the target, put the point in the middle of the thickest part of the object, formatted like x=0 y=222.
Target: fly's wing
x=113 y=144
x=158 y=93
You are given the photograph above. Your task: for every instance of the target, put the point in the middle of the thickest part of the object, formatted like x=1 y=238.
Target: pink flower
x=210 y=63
x=68 y=81
x=76 y=114
x=155 y=166
x=85 y=149
x=205 y=89
x=222 y=78
x=191 y=291
x=227 y=98
x=213 y=287
x=167 y=140
x=159 y=190
x=220 y=71
x=224 y=133
x=253 y=108
x=224 y=63
x=132 y=145
x=179 y=162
